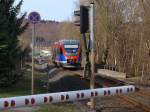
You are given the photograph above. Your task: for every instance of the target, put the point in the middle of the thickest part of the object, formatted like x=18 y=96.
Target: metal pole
x=32 y=78
x=92 y=82
x=48 y=67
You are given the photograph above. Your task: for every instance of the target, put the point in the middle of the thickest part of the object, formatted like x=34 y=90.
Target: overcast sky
x=58 y=10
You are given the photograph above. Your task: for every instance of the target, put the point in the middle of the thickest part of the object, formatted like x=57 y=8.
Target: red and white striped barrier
x=32 y=100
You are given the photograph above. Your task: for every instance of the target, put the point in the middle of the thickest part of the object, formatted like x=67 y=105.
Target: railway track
x=144 y=92
x=139 y=99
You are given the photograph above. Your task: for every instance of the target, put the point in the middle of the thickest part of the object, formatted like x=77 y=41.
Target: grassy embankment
x=24 y=88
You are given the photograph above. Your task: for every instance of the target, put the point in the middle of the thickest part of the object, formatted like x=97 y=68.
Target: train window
x=71 y=48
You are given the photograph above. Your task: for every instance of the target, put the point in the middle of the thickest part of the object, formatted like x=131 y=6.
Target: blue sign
x=34 y=17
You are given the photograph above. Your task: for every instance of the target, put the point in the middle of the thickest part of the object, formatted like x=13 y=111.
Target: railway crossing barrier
x=32 y=100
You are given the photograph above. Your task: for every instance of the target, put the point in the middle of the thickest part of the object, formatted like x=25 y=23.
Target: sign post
x=33 y=18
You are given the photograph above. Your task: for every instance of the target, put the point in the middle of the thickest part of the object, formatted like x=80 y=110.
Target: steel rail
x=129 y=98
x=135 y=103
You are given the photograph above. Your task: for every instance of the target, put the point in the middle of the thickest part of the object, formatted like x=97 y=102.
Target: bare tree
x=122 y=34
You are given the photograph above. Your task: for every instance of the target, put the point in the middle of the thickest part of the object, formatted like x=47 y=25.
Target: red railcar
x=67 y=53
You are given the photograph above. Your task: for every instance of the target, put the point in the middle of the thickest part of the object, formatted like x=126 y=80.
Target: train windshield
x=71 y=49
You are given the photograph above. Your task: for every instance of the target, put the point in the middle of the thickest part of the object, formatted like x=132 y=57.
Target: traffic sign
x=34 y=17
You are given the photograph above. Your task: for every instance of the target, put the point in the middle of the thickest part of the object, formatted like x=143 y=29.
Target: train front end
x=72 y=54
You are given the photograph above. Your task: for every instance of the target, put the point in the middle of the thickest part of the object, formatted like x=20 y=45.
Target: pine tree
x=11 y=26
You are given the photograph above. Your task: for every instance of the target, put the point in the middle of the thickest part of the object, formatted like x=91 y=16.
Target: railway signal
x=77 y=21
x=87 y=21
x=84 y=19
x=83 y=22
